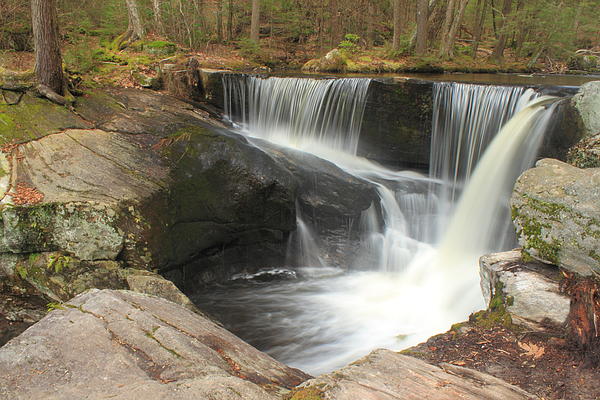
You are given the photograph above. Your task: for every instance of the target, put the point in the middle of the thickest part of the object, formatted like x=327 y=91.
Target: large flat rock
x=385 y=375
x=556 y=211
x=124 y=345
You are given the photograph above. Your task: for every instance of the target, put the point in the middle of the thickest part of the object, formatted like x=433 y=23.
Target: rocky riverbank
x=128 y=183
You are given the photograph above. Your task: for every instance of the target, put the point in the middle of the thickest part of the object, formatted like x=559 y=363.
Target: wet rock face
x=146 y=347
x=396 y=127
x=556 y=212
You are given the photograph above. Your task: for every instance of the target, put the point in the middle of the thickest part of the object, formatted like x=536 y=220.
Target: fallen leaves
x=26 y=195
x=531 y=350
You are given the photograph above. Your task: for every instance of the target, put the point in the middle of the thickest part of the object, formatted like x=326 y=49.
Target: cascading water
x=414 y=285
x=299 y=113
x=466 y=118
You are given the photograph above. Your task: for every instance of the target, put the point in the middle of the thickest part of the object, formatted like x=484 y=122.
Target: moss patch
x=311 y=393
x=496 y=314
x=34 y=118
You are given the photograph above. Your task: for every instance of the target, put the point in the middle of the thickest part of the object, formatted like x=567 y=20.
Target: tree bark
x=48 y=60
x=255 y=23
x=397 y=25
x=135 y=28
x=422 y=15
x=584 y=316
x=498 y=54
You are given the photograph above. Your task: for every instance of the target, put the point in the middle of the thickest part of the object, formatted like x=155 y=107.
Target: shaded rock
x=530 y=291
x=125 y=345
x=326 y=193
x=137 y=111
x=555 y=209
x=192 y=82
x=155 y=199
x=586 y=154
x=385 y=375
x=146 y=282
x=587 y=103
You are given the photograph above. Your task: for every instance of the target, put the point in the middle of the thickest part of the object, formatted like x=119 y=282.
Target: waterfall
x=299 y=113
x=410 y=283
x=466 y=118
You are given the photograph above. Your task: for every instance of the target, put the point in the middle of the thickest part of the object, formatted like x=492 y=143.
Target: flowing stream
x=416 y=272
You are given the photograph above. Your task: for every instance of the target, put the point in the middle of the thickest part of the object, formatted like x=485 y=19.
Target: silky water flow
x=417 y=269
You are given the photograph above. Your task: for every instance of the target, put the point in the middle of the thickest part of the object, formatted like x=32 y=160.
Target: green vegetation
x=496 y=313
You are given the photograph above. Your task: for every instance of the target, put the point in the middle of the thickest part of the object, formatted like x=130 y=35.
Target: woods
x=449 y=29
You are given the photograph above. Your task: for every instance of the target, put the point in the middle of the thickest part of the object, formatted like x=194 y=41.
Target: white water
x=414 y=287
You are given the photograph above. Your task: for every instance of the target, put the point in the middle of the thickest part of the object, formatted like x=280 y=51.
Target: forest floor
x=90 y=60
x=543 y=363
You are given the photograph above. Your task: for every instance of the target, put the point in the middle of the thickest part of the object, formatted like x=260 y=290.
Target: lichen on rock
x=556 y=212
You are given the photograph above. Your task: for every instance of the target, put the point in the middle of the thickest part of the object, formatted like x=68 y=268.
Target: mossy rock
x=555 y=209
x=33 y=118
x=59 y=276
x=585 y=154
x=160 y=48
x=334 y=61
x=584 y=62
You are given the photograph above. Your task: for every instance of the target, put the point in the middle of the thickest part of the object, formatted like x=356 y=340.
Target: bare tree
x=48 y=60
x=422 y=16
x=157 y=9
x=255 y=23
x=454 y=16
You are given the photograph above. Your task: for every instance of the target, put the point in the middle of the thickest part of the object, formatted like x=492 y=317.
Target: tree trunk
x=157 y=9
x=335 y=23
x=230 y=20
x=135 y=28
x=397 y=25
x=48 y=60
x=584 y=316
x=255 y=23
x=422 y=15
x=219 y=22
x=501 y=43
x=370 y=36
x=478 y=25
